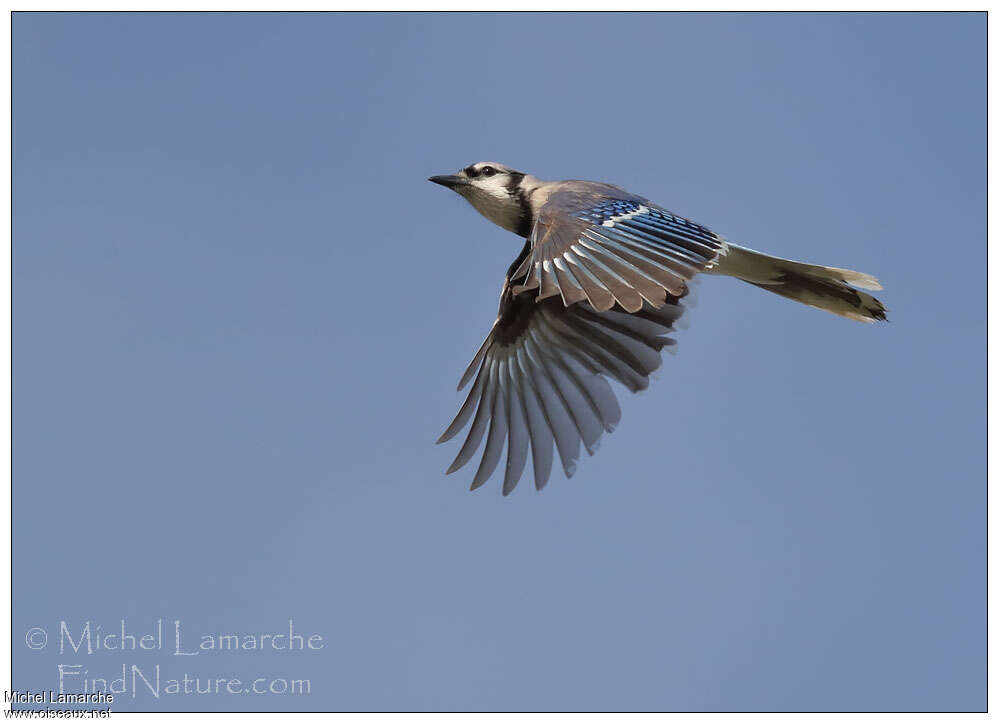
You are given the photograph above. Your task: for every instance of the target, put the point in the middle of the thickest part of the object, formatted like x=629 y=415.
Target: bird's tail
x=824 y=287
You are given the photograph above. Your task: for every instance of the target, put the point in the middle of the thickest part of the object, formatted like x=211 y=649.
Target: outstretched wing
x=597 y=243
x=540 y=380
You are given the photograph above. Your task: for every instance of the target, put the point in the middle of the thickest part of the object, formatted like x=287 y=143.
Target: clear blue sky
x=240 y=312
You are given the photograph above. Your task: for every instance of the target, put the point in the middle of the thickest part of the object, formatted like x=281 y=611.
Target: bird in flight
x=594 y=294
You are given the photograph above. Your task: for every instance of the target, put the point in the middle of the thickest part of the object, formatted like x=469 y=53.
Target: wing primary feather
x=677 y=235
x=647 y=356
x=571 y=397
x=666 y=315
x=622 y=290
x=571 y=342
x=650 y=289
x=467 y=407
x=538 y=426
x=651 y=249
x=600 y=399
x=679 y=271
x=603 y=339
x=642 y=323
x=701 y=245
x=560 y=422
x=549 y=284
x=478 y=428
x=516 y=452
x=474 y=365
x=596 y=293
x=667 y=242
x=667 y=273
x=570 y=289
x=497 y=428
x=602 y=354
x=625 y=325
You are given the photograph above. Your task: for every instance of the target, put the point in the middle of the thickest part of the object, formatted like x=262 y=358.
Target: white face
x=492 y=189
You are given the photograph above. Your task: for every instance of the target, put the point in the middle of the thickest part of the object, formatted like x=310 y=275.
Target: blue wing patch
x=607 y=211
x=638 y=215
x=608 y=249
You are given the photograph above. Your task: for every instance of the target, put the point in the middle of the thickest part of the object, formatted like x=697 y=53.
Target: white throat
x=497 y=205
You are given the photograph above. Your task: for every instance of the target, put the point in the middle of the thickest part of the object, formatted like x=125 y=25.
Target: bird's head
x=496 y=191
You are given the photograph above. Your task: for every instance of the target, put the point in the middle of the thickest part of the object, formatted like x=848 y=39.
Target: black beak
x=451 y=182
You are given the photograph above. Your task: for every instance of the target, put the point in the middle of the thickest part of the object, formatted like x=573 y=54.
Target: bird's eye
x=487 y=171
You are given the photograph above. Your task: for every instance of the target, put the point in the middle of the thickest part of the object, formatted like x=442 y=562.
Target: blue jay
x=593 y=295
